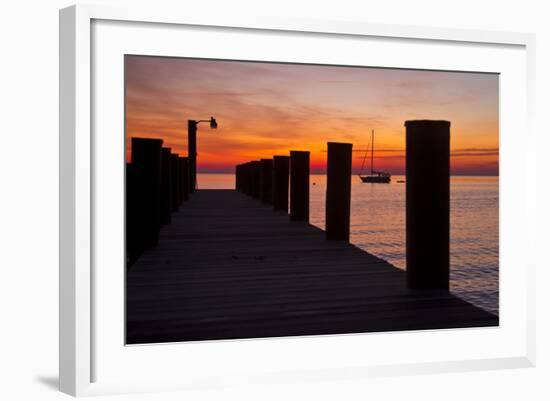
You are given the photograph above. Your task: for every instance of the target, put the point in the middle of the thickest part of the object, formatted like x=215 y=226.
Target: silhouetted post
x=185 y=178
x=165 y=203
x=240 y=177
x=189 y=177
x=192 y=152
x=280 y=182
x=178 y=176
x=132 y=213
x=245 y=178
x=175 y=181
x=338 y=200
x=182 y=180
x=266 y=180
x=299 y=185
x=146 y=169
x=255 y=172
x=428 y=198
x=249 y=178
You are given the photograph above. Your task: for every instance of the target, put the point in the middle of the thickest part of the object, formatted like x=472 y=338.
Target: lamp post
x=192 y=147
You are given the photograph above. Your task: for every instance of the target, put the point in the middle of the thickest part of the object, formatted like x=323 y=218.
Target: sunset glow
x=266 y=109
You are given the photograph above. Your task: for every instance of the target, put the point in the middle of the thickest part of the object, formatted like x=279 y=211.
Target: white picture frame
x=82 y=344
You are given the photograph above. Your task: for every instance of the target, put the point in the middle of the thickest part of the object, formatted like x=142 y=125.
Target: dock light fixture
x=212 y=121
x=192 y=126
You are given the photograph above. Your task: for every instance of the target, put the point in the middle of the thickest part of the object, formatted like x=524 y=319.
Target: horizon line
x=451 y=175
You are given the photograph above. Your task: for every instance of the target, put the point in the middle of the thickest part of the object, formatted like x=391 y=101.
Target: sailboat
x=381 y=177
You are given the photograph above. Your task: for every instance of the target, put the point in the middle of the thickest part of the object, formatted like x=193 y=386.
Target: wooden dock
x=230 y=267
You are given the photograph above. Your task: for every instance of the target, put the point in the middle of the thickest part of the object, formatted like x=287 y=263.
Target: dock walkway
x=229 y=267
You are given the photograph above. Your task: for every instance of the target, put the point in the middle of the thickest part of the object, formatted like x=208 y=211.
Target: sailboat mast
x=372 y=154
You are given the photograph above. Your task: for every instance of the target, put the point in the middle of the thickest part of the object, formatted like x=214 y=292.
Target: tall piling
x=132 y=224
x=299 y=185
x=146 y=171
x=180 y=180
x=266 y=180
x=250 y=178
x=189 y=177
x=338 y=198
x=174 y=167
x=428 y=204
x=280 y=182
x=247 y=178
x=237 y=177
x=185 y=178
x=165 y=202
x=255 y=178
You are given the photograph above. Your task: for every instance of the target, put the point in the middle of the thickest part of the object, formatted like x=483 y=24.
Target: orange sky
x=265 y=109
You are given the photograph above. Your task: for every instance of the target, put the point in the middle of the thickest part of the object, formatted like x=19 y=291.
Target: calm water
x=378 y=226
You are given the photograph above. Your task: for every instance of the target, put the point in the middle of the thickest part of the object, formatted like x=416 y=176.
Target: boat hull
x=376 y=179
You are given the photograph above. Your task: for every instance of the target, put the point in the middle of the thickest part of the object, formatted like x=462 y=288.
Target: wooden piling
x=165 y=203
x=180 y=180
x=241 y=178
x=246 y=178
x=132 y=218
x=192 y=152
x=189 y=177
x=175 y=182
x=266 y=180
x=338 y=198
x=280 y=182
x=237 y=176
x=249 y=179
x=146 y=169
x=428 y=204
x=255 y=178
x=185 y=178
x=299 y=185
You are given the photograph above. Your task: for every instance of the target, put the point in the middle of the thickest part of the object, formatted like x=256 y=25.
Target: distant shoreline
x=396 y=175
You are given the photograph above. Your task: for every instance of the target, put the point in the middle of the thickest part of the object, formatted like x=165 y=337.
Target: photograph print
x=267 y=199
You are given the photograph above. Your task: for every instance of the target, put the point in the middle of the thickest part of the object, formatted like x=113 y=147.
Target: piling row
x=427 y=196
x=267 y=180
x=157 y=182
x=283 y=181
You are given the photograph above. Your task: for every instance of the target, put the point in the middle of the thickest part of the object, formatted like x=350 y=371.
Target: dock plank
x=230 y=267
